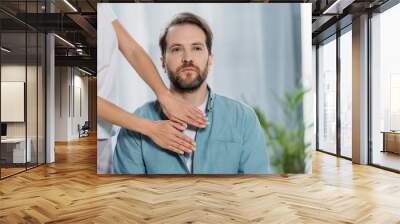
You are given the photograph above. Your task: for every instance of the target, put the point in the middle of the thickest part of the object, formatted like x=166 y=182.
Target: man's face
x=186 y=58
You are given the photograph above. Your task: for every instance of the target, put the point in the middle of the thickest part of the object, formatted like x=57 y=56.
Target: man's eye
x=198 y=48
x=175 y=49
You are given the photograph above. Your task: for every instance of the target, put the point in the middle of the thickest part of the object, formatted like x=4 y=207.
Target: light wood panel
x=70 y=191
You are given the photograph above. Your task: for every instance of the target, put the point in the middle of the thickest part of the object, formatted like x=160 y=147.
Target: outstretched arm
x=165 y=133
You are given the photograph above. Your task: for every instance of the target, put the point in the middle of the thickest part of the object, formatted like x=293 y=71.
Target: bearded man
x=232 y=143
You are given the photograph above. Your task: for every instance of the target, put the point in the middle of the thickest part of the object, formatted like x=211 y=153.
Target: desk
x=13 y=150
x=391 y=141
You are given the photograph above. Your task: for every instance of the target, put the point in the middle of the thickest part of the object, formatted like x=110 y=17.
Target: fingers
x=195 y=121
x=178 y=124
x=175 y=149
x=179 y=142
x=187 y=144
x=197 y=118
x=179 y=147
x=190 y=119
x=187 y=114
x=196 y=112
x=193 y=116
x=175 y=140
x=185 y=141
x=168 y=136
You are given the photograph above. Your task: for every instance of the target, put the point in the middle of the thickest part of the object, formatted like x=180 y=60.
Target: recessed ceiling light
x=86 y=72
x=5 y=50
x=70 y=5
x=337 y=7
x=64 y=40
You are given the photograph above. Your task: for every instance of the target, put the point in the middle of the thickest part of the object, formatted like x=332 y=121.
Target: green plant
x=285 y=140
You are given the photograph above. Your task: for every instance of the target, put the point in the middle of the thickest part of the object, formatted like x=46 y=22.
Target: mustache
x=188 y=65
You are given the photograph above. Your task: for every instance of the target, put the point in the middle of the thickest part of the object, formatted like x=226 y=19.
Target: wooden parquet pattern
x=70 y=191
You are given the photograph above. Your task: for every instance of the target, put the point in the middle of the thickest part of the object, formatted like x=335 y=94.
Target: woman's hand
x=179 y=111
x=168 y=135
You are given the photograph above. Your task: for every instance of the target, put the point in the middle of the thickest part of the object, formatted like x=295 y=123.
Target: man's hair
x=187 y=18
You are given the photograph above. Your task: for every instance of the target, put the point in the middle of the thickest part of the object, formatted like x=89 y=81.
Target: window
x=346 y=93
x=385 y=89
x=327 y=96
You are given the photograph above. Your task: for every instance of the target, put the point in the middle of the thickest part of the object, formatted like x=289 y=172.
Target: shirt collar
x=211 y=99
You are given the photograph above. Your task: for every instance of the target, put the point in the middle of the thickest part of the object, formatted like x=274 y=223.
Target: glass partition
x=22 y=67
x=13 y=105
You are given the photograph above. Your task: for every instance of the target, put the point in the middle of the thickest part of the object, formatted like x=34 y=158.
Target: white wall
x=80 y=83
x=61 y=103
x=70 y=83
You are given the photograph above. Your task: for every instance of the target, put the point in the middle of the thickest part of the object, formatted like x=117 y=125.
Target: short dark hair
x=187 y=18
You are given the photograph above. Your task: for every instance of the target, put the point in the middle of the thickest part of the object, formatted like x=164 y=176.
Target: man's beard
x=181 y=85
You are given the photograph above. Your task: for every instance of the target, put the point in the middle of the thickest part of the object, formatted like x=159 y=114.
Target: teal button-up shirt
x=232 y=143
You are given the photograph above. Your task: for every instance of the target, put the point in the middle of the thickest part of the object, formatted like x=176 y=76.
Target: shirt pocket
x=224 y=157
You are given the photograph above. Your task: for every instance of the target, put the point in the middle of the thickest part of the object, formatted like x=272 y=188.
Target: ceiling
x=76 y=23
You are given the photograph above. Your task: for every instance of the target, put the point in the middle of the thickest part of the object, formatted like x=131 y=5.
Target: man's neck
x=196 y=97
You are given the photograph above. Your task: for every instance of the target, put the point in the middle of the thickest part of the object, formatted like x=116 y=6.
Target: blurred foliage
x=285 y=140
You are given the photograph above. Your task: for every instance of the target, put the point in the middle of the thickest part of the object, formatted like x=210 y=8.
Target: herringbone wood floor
x=70 y=191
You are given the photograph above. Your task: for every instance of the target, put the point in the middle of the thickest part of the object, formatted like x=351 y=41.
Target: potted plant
x=285 y=141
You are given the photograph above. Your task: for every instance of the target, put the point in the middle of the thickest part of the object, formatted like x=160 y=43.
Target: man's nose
x=187 y=57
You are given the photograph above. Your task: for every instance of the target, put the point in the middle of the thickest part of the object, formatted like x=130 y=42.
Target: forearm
x=139 y=60
x=118 y=116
